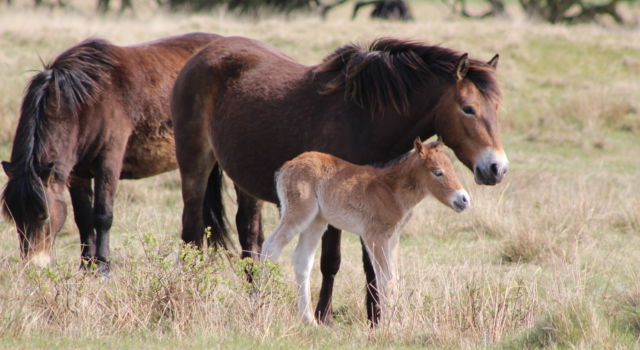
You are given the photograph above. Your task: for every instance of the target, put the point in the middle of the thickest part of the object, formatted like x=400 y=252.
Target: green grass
x=547 y=259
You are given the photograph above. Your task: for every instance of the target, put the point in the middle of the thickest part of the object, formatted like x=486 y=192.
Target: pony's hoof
x=103 y=269
x=325 y=319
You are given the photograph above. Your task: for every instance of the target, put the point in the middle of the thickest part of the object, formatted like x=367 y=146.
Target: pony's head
x=467 y=119
x=34 y=201
x=442 y=180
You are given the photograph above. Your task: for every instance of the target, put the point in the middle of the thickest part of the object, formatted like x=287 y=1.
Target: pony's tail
x=23 y=199
x=214 y=214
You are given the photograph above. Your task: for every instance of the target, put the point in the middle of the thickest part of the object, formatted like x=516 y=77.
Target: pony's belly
x=149 y=155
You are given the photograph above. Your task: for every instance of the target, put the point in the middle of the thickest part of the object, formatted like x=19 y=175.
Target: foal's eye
x=437 y=172
x=469 y=110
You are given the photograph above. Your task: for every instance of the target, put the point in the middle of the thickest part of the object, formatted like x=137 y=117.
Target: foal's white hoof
x=309 y=320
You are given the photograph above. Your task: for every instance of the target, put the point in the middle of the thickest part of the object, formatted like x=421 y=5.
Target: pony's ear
x=46 y=172
x=462 y=67
x=419 y=148
x=8 y=169
x=493 y=63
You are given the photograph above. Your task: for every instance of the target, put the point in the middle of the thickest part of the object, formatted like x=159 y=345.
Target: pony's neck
x=58 y=145
x=406 y=176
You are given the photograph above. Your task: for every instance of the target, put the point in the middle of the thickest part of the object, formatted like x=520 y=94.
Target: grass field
x=549 y=258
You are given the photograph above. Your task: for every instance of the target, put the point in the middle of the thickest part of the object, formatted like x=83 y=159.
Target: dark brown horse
x=247 y=107
x=97 y=111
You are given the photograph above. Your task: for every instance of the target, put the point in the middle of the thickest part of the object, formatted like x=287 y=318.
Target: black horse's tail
x=54 y=95
x=214 y=214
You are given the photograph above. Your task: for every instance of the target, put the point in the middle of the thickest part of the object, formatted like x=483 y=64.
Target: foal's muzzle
x=490 y=167
x=460 y=200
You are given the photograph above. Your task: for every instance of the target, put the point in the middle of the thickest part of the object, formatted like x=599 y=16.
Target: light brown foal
x=316 y=189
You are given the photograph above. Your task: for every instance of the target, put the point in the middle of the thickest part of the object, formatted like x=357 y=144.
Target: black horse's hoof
x=103 y=269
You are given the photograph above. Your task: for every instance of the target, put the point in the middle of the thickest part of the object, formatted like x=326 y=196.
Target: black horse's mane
x=389 y=70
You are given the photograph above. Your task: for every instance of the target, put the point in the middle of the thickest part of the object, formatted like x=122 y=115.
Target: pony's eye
x=469 y=110
x=437 y=172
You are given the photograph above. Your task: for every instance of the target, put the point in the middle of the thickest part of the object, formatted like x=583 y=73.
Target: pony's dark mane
x=393 y=161
x=63 y=87
x=389 y=70
x=404 y=156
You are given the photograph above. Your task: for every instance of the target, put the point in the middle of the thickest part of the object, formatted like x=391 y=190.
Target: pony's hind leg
x=249 y=224
x=194 y=174
x=191 y=110
x=303 y=257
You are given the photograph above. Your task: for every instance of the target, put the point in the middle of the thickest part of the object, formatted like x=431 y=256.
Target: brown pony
x=249 y=108
x=316 y=189
x=97 y=111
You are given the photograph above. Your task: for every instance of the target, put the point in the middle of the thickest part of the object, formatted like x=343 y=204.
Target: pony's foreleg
x=249 y=224
x=106 y=182
x=81 y=193
x=303 y=257
x=329 y=265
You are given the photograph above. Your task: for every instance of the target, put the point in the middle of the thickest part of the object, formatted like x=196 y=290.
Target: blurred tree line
x=553 y=11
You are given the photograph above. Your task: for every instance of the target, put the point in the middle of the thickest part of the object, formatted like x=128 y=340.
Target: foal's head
x=441 y=179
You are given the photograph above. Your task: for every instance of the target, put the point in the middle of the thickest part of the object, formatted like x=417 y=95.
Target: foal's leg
x=329 y=266
x=294 y=218
x=249 y=224
x=81 y=193
x=379 y=250
x=303 y=258
x=372 y=300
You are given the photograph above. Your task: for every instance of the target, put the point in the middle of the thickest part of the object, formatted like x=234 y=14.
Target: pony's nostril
x=494 y=169
x=465 y=199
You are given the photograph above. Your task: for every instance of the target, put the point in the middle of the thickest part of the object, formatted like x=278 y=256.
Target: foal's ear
x=493 y=63
x=8 y=169
x=419 y=148
x=435 y=145
x=462 y=67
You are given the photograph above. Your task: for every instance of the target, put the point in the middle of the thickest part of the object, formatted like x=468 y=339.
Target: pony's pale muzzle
x=490 y=167
x=40 y=259
x=460 y=200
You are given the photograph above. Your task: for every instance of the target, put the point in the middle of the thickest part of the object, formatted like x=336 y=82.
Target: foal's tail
x=214 y=214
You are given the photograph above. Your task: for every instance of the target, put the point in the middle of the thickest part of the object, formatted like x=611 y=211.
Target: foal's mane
x=389 y=70
x=54 y=95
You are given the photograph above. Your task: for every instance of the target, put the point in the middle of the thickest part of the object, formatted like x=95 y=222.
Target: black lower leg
x=329 y=266
x=249 y=224
x=80 y=191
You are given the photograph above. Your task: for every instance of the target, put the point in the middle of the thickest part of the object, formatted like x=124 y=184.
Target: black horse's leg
x=81 y=193
x=373 y=304
x=106 y=182
x=249 y=224
x=329 y=266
